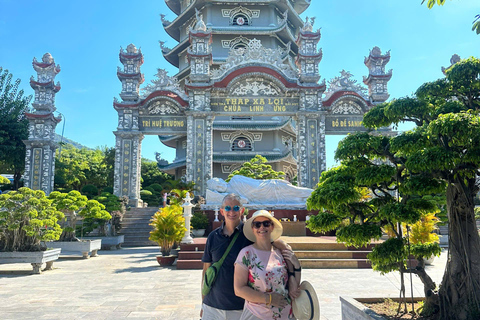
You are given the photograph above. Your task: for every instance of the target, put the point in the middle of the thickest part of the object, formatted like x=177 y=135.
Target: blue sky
x=85 y=36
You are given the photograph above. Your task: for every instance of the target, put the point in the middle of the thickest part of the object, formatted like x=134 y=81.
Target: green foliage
x=4 y=180
x=358 y=235
x=199 y=220
x=115 y=206
x=75 y=205
x=151 y=174
x=323 y=222
x=27 y=217
x=13 y=126
x=75 y=168
x=90 y=190
x=257 y=168
x=145 y=193
x=168 y=227
x=425 y=250
x=389 y=255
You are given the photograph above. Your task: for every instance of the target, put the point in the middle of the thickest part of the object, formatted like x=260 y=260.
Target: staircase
x=313 y=253
x=136 y=228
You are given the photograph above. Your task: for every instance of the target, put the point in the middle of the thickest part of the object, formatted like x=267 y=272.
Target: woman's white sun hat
x=277 y=226
x=306 y=306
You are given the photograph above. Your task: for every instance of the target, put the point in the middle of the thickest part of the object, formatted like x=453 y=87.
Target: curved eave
x=247 y=156
x=173 y=29
x=249 y=125
x=370 y=59
x=168 y=93
x=43 y=116
x=282 y=31
x=343 y=93
x=170 y=140
x=371 y=77
x=232 y=74
x=174 y=5
x=301 y=5
x=172 y=55
x=182 y=74
x=172 y=166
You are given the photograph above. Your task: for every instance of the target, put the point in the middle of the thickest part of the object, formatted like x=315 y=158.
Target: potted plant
x=422 y=236
x=28 y=217
x=76 y=206
x=106 y=230
x=168 y=226
x=199 y=223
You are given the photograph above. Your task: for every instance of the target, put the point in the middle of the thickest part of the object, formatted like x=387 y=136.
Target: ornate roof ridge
x=165 y=83
x=345 y=83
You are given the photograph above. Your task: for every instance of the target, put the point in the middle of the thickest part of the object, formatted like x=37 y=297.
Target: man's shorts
x=210 y=313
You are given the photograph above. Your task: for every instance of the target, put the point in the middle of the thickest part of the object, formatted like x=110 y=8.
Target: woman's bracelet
x=270 y=299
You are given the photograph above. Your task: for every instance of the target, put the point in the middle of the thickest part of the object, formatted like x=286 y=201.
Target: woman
x=261 y=273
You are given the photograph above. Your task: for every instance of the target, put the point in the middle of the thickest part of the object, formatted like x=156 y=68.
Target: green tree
x=257 y=168
x=151 y=173
x=13 y=126
x=27 y=217
x=443 y=149
x=75 y=168
x=75 y=205
x=432 y=3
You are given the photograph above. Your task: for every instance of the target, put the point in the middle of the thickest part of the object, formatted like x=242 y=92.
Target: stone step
x=334 y=263
x=190 y=255
x=135 y=230
x=139 y=243
x=189 y=264
x=335 y=254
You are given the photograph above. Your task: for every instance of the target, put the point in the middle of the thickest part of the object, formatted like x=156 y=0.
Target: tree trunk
x=68 y=233
x=460 y=289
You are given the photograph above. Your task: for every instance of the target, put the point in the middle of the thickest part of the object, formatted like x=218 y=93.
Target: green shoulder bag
x=212 y=271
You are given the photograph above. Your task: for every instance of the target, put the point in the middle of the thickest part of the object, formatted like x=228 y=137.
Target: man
x=221 y=303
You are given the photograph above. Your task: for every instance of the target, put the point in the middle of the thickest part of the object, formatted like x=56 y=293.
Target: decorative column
x=41 y=145
x=128 y=137
x=199 y=117
x=187 y=214
x=377 y=79
x=311 y=117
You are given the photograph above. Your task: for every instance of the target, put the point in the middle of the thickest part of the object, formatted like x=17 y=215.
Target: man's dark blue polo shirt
x=222 y=295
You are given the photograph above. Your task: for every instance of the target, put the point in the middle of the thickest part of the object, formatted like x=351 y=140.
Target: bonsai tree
x=4 y=180
x=27 y=217
x=115 y=206
x=257 y=168
x=199 y=220
x=76 y=205
x=168 y=226
x=440 y=155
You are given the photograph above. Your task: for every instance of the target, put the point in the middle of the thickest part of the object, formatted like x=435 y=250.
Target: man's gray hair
x=231 y=196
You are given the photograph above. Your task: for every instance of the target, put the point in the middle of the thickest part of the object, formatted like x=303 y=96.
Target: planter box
x=85 y=246
x=109 y=243
x=36 y=258
x=353 y=309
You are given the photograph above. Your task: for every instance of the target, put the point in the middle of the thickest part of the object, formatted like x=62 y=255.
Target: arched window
x=241 y=144
x=241 y=19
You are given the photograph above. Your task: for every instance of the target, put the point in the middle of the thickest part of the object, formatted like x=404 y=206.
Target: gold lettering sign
x=254 y=105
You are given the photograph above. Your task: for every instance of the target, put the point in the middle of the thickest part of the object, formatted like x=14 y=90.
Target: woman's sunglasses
x=258 y=224
x=228 y=208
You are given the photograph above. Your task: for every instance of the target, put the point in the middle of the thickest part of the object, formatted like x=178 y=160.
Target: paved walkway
x=128 y=283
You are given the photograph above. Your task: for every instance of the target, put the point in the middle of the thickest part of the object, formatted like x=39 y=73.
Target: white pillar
x=187 y=214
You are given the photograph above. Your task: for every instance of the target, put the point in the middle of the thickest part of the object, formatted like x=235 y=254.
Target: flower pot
x=429 y=261
x=166 y=260
x=198 y=232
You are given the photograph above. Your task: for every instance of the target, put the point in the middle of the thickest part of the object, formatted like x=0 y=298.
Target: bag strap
x=228 y=248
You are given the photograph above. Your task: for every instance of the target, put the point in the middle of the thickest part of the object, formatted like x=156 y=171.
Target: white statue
x=271 y=193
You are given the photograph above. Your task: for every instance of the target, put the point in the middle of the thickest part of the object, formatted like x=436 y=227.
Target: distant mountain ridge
x=58 y=139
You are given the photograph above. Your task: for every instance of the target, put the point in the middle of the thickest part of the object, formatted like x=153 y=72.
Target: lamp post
x=187 y=214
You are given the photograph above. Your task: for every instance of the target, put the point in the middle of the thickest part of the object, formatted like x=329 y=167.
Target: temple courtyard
x=129 y=283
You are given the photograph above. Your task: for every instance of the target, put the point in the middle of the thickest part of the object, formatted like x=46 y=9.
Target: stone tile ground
x=129 y=284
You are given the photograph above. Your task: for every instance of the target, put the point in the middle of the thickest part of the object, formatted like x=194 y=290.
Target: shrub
x=168 y=227
x=199 y=220
x=90 y=191
x=27 y=217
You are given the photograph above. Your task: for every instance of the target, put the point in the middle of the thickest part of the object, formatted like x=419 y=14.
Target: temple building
x=248 y=83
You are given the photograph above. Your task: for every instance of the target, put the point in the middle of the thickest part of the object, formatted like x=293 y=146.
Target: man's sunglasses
x=258 y=224
x=228 y=208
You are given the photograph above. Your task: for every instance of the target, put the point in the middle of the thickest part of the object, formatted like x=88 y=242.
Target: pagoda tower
x=41 y=145
x=377 y=78
x=127 y=137
x=207 y=31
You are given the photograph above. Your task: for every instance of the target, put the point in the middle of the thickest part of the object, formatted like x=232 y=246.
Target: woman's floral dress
x=267 y=272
